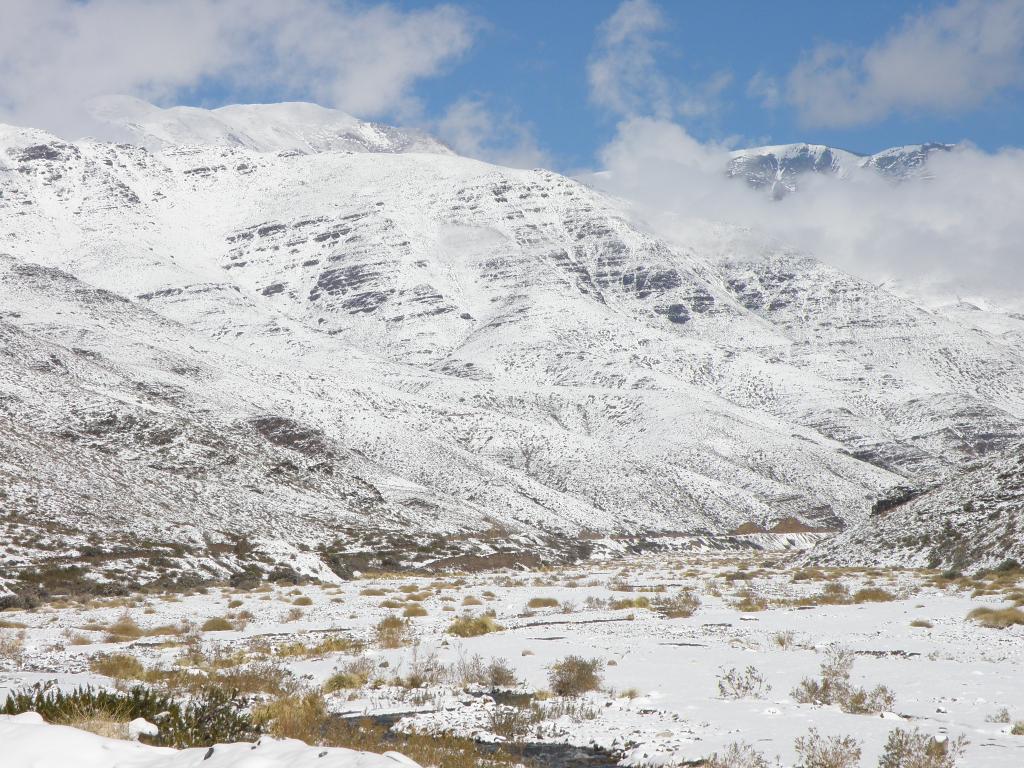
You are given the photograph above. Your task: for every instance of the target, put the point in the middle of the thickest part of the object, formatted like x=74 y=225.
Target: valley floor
x=666 y=694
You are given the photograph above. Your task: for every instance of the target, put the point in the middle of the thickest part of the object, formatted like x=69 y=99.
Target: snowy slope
x=294 y=126
x=213 y=343
x=974 y=518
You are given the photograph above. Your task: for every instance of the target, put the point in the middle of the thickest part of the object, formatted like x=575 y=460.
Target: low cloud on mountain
x=957 y=231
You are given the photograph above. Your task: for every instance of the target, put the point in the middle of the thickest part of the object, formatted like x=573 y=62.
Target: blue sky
x=528 y=63
x=531 y=60
x=514 y=80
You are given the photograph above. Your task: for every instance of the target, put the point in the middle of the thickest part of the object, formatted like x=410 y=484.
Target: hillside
x=226 y=352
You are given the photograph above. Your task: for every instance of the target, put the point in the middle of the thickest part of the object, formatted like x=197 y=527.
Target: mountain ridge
x=303 y=350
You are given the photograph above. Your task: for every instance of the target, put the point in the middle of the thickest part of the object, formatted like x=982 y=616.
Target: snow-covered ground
x=28 y=741
x=660 y=701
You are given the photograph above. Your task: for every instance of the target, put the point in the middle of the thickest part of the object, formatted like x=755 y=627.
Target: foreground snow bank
x=27 y=741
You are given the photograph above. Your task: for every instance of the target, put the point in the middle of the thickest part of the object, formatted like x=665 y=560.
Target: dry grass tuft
x=355 y=674
x=542 y=602
x=393 y=632
x=997 y=618
x=217 y=624
x=474 y=626
x=873 y=595
x=120 y=666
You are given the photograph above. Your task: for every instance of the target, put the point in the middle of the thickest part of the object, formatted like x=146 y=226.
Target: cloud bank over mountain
x=362 y=59
x=957 y=231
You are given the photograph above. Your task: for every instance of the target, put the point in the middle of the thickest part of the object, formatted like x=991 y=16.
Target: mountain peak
x=295 y=126
x=779 y=167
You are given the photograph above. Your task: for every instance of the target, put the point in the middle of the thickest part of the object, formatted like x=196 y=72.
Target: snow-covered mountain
x=779 y=168
x=210 y=347
x=295 y=126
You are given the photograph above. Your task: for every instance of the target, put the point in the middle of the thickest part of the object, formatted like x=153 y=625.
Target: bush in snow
x=817 y=751
x=213 y=716
x=682 y=604
x=574 y=675
x=733 y=684
x=834 y=687
x=393 y=632
x=913 y=749
x=738 y=755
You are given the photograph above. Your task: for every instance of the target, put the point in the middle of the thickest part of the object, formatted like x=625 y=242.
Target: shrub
x=499 y=673
x=997 y=618
x=873 y=595
x=120 y=666
x=750 y=602
x=1017 y=729
x=816 y=751
x=234 y=604
x=834 y=687
x=636 y=602
x=373 y=592
x=123 y=629
x=681 y=605
x=393 y=632
x=861 y=702
x=414 y=610
x=423 y=670
x=13 y=649
x=1002 y=716
x=733 y=684
x=784 y=640
x=474 y=626
x=355 y=674
x=302 y=600
x=213 y=716
x=329 y=644
x=574 y=675
x=470 y=600
x=738 y=755
x=294 y=717
x=542 y=602
x=923 y=623
x=217 y=624
x=913 y=749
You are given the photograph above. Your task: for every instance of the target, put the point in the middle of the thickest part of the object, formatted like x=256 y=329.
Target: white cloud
x=765 y=88
x=959 y=232
x=471 y=129
x=947 y=60
x=624 y=74
x=57 y=54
